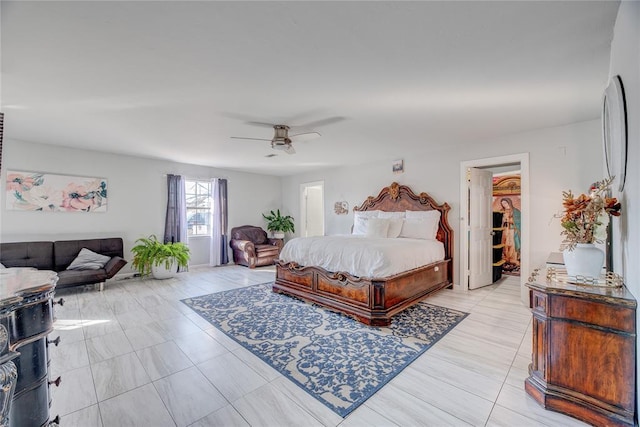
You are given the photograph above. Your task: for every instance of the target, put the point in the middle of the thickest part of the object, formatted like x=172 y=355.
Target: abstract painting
x=36 y=191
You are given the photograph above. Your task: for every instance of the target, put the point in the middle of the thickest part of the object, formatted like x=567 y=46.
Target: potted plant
x=162 y=260
x=278 y=224
x=584 y=223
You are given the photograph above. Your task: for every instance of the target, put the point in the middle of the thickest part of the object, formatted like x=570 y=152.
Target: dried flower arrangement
x=586 y=217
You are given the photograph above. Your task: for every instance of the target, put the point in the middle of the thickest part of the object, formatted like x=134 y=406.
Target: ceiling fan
x=282 y=140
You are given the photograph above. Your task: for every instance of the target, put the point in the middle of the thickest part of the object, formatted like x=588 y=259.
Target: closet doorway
x=494 y=221
x=312 y=209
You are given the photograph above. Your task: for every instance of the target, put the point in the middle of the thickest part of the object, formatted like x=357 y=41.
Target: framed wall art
x=398 y=166
x=341 y=208
x=47 y=192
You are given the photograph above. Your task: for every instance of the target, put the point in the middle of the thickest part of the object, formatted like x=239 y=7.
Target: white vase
x=161 y=272
x=584 y=260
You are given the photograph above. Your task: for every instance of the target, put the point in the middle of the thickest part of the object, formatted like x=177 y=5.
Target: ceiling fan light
x=280 y=141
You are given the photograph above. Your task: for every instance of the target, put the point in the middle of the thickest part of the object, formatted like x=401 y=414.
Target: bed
x=375 y=300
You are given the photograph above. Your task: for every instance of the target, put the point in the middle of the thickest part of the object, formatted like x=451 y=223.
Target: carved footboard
x=371 y=301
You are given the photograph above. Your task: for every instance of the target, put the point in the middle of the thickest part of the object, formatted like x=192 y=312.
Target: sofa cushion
x=65 y=251
x=79 y=277
x=88 y=260
x=27 y=254
x=267 y=250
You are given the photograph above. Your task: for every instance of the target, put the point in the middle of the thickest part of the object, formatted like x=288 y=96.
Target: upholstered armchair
x=252 y=248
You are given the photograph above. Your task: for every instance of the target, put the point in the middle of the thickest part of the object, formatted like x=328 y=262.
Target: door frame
x=303 y=206
x=523 y=159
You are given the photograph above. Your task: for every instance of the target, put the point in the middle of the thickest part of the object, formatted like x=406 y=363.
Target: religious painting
x=506 y=208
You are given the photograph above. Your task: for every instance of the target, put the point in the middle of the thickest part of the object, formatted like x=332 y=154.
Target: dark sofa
x=58 y=255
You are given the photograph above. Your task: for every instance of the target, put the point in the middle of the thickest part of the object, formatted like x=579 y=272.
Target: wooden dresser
x=26 y=318
x=584 y=351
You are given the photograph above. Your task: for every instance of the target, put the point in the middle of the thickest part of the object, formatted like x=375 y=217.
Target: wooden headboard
x=400 y=198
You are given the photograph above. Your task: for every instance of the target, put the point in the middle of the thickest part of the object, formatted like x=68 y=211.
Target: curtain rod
x=198 y=178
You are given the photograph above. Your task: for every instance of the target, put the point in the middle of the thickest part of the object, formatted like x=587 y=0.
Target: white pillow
x=377 y=227
x=395 y=227
x=391 y=215
x=88 y=260
x=431 y=217
x=2 y=266
x=360 y=225
x=360 y=220
x=415 y=229
x=367 y=214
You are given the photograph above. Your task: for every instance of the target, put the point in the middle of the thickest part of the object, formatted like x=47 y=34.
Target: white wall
x=136 y=194
x=561 y=158
x=625 y=61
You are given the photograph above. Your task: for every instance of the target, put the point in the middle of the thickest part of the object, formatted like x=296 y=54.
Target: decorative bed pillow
x=2 y=266
x=395 y=222
x=360 y=226
x=88 y=260
x=360 y=220
x=432 y=219
x=367 y=214
x=395 y=227
x=383 y=214
x=377 y=227
x=416 y=229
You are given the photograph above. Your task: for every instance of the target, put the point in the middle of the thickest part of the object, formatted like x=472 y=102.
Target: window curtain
x=219 y=240
x=175 y=228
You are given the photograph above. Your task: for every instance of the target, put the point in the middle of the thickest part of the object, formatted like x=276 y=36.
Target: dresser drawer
x=594 y=313
x=31 y=320
x=539 y=302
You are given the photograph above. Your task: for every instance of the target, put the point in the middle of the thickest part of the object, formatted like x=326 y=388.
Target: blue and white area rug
x=338 y=360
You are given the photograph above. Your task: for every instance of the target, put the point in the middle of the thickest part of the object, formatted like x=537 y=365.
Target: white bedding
x=362 y=256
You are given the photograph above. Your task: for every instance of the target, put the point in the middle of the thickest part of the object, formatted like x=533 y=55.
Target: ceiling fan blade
x=262 y=124
x=306 y=136
x=323 y=122
x=290 y=150
x=252 y=139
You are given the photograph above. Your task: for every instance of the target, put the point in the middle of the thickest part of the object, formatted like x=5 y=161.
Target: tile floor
x=134 y=355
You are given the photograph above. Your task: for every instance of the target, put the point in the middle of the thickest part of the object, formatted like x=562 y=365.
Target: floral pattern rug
x=338 y=360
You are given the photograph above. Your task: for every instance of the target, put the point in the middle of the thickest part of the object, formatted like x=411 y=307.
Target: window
x=198 y=194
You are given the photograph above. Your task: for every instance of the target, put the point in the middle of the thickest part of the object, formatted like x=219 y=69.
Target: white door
x=312 y=209
x=480 y=228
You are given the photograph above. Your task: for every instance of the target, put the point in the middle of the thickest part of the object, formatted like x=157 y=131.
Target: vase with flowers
x=584 y=222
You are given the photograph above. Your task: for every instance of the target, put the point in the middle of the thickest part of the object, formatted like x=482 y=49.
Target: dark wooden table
x=584 y=351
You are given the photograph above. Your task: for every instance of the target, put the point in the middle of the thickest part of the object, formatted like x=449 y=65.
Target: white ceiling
x=174 y=80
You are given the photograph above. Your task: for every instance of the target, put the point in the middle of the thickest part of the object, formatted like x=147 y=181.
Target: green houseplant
x=149 y=253
x=276 y=223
